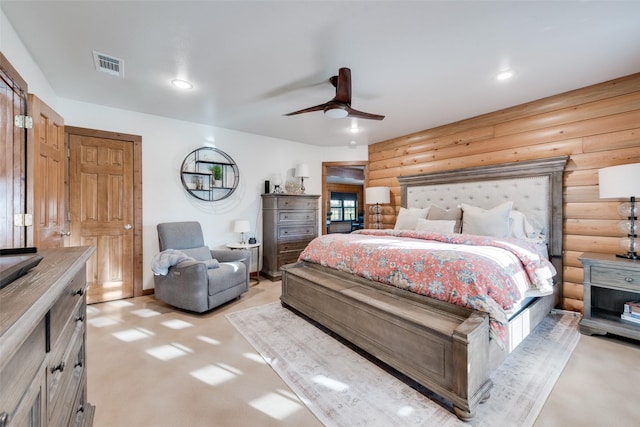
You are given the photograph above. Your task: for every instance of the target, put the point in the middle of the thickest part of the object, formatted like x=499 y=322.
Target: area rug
x=344 y=388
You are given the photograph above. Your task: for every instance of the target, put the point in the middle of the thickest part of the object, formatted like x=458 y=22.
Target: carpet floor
x=343 y=388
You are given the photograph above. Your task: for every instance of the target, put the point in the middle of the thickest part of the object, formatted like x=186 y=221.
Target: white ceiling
x=420 y=63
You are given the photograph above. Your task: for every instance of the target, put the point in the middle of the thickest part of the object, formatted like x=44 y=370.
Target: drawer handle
x=286 y=217
x=628 y=279
x=59 y=367
x=79 y=292
x=80 y=318
x=78 y=365
x=4 y=419
x=80 y=409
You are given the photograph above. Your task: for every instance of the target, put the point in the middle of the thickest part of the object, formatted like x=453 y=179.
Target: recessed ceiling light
x=504 y=75
x=352 y=143
x=182 y=84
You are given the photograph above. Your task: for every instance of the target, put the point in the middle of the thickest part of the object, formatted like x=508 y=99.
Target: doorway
x=105 y=209
x=346 y=178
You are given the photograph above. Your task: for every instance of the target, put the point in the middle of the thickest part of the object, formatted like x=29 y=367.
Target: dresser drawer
x=64 y=372
x=285 y=217
x=297 y=203
x=296 y=246
x=297 y=232
x=22 y=368
x=627 y=279
x=73 y=292
x=288 y=258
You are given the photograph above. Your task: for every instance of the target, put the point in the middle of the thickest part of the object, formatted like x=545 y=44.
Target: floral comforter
x=479 y=272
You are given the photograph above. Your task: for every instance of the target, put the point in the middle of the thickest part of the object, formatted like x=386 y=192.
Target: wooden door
x=13 y=101
x=101 y=212
x=46 y=186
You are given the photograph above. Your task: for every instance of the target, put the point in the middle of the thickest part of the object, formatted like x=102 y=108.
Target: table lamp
x=242 y=226
x=302 y=172
x=621 y=182
x=375 y=196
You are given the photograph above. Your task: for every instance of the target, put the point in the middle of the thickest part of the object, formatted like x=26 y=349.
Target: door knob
x=65 y=233
x=127 y=226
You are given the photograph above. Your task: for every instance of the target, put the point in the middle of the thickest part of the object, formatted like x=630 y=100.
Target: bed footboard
x=442 y=347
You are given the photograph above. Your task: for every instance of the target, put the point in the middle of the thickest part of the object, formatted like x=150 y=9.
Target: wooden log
x=571 y=259
x=604 y=107
x=572 y=274
x=626 y=138
x=599 y=160
x=572 y=305
x=608 y=245
x=573 y=291
x=592 y=227
x=592 y=210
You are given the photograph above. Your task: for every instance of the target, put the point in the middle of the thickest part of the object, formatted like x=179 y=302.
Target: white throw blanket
x=168 y=258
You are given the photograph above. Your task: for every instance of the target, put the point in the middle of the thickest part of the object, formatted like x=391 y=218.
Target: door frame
x=136 y=140
x=18 y=173
x=325 y=189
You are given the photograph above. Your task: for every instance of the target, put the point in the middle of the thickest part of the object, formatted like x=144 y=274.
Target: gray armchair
x=190 y=285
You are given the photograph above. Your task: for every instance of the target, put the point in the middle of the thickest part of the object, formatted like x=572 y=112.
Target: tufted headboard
x=534 y=186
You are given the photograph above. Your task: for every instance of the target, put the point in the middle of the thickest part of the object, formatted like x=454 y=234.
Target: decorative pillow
x=520 y=227
x=435 y=226
x=486 y=222
x=407 y=218
x=438 y=213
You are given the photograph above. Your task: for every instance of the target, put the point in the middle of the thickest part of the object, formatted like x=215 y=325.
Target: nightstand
x=609 y=282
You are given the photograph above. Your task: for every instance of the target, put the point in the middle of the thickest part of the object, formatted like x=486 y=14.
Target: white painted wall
x=165 y=143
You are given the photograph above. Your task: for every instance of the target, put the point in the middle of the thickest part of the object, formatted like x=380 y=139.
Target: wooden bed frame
x=443 y=347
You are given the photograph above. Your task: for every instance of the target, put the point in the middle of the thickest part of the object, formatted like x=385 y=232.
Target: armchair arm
x=185 y=286
x=228 y=255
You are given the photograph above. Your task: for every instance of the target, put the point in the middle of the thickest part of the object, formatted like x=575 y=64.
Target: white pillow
x=407 y=218
x=486 y=222
x=520 y=227
x=435 y=225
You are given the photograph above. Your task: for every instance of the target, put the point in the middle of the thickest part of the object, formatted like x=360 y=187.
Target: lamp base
x=629 y=255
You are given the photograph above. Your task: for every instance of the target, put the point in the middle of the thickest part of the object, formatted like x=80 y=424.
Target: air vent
x=108 y=64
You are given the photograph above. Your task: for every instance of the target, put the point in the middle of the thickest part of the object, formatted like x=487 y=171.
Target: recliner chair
x=190 y=285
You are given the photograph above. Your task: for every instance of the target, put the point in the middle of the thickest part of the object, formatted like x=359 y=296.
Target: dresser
x=609 y=282
x=289 y=223
x=42 y=343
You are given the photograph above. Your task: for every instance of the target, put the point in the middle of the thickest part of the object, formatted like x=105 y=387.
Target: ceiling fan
x=340 y=105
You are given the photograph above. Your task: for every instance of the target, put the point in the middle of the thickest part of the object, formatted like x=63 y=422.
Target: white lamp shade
x=302 y=170
x=619 y=181
x=373 y=195
x=241 y=226
x=276 y=179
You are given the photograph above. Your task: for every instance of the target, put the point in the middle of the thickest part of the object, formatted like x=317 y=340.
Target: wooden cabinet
x=42 y=343
x=609 y=282
x=289 y=223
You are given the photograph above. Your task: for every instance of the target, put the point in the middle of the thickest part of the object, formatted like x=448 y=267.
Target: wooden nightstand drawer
x=628 y=279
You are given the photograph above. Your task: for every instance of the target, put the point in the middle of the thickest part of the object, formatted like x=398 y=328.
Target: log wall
x=597 y=126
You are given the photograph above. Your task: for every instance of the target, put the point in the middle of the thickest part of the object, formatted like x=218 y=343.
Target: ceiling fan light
x=336 y=113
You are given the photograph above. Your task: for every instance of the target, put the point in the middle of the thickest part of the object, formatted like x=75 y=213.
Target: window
x=344 y=206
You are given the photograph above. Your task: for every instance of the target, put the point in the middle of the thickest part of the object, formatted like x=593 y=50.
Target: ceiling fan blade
x=343 y=86
x=320 y=107
x=362 y=114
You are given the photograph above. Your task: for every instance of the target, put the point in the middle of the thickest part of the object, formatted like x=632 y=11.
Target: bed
x=450 y=349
